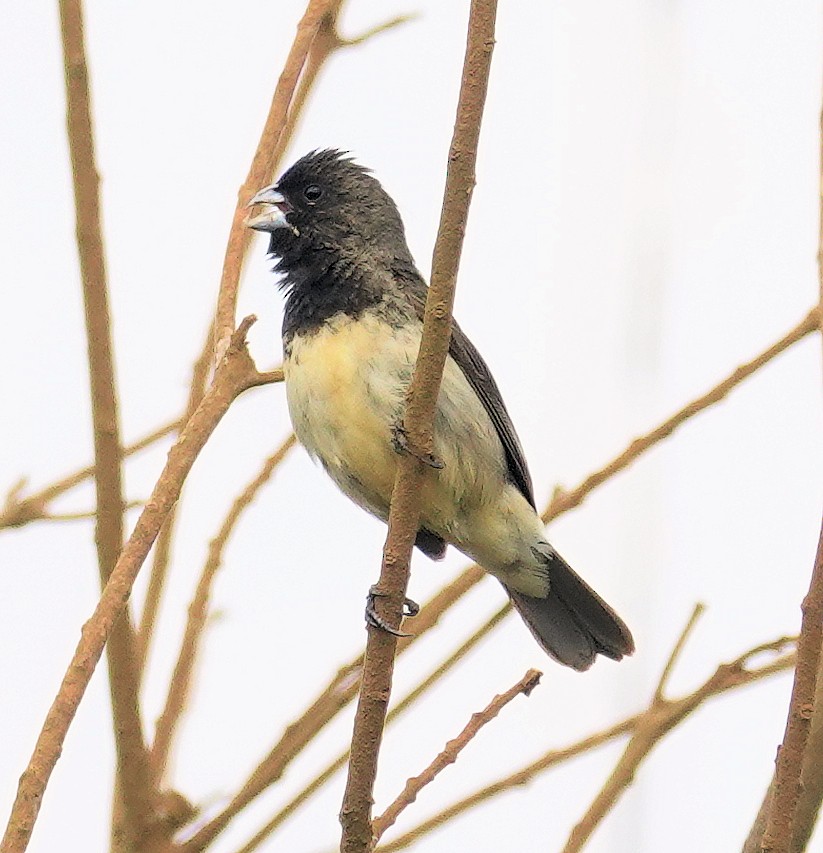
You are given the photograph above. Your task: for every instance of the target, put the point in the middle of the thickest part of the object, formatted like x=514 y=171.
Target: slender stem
x=134 y=780
x=452 y=750
x=180 y=681
x=404 y=513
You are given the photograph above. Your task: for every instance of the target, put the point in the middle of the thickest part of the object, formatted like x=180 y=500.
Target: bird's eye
x=312 y=193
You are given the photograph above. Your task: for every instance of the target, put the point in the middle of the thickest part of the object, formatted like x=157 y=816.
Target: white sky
x=645 y=219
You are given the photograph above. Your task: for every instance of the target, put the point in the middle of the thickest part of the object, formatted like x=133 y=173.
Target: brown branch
x=162 y=548
x=85 y=515
x=452 y=750
x=134 y=780
x=404 y=512
x=406 y=702
x=198 y=611
x=727 y=677
x=777 y=837
x=19 y=510
x=263 y=163
x=776 y=819
x=811 y=789
x=562 y=501
x=234 y=374
x=660 y=718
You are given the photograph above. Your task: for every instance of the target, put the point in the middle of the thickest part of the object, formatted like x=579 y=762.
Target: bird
x=352 y=325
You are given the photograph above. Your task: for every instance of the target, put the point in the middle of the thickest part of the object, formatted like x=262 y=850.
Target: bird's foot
x=400 y=440
x=410 y=608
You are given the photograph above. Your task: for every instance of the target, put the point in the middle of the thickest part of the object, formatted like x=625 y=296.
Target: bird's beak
x=274 y=215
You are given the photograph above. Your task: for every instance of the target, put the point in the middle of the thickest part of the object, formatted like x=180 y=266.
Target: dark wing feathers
x=471 y=363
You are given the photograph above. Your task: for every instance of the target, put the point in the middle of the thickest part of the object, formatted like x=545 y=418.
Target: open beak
x=273 y=215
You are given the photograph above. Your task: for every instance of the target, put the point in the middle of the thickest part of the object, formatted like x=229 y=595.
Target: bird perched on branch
x=351 y=333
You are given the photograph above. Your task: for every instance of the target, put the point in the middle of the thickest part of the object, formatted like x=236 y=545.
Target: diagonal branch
x=263 y=163
x=404 y=704
x=404 y=513
x=18 y=510
x=777 y=837
x=727 y=677
x=562 y=501
x=792 y=801
x=235 y=374
x=660 y=718
x=452 y=750
x=198 y=611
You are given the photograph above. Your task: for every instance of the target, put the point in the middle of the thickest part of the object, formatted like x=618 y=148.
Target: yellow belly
x=346 y=386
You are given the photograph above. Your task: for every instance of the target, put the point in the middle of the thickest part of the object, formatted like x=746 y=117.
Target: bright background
x=645 y=219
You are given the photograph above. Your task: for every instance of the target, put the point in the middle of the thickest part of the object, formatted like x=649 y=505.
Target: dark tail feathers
x=573 y=624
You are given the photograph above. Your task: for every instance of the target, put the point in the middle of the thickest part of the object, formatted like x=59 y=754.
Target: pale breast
x=346 y=386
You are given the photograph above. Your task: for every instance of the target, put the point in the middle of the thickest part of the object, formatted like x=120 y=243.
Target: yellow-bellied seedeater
x=351 y=333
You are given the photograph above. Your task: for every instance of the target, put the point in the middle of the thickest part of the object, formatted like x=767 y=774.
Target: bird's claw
x=410 y=608
x=400 y=440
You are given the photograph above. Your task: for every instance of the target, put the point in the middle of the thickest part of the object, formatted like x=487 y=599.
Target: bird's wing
x=478 y=375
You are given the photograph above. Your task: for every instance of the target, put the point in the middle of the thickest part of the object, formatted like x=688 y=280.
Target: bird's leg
x=410 y=608
x=400 y=441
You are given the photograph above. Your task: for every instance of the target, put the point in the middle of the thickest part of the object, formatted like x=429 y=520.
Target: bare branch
x=19 y=510
x=452 y=749
x=562 y=501
x=660 y=718
x=162 y=548
x=234 y=374
x=198 y=612
x=134 y=779
x=674 y=657
x=408 y=700
x=727 y=677
x=777 y=837
x=404 y=513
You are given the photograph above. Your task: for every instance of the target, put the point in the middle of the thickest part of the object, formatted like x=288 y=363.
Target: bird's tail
x=573 y=623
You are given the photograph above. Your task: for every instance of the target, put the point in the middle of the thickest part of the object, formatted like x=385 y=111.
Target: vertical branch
x=355 y=814
x=134 y=781
x=786 y=785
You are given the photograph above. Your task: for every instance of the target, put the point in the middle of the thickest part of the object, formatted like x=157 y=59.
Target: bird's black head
x=326 y=210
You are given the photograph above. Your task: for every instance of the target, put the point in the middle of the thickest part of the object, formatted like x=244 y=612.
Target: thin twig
x=134 y=779
x=404 y=704
x=85 y=515
x=180 y=681
x=562 y=501
x=234 y=374
x=663 y=681
x=19 y=510
x=404 y=512
x=451 y=751
x=660 y=718
x=727 y=677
